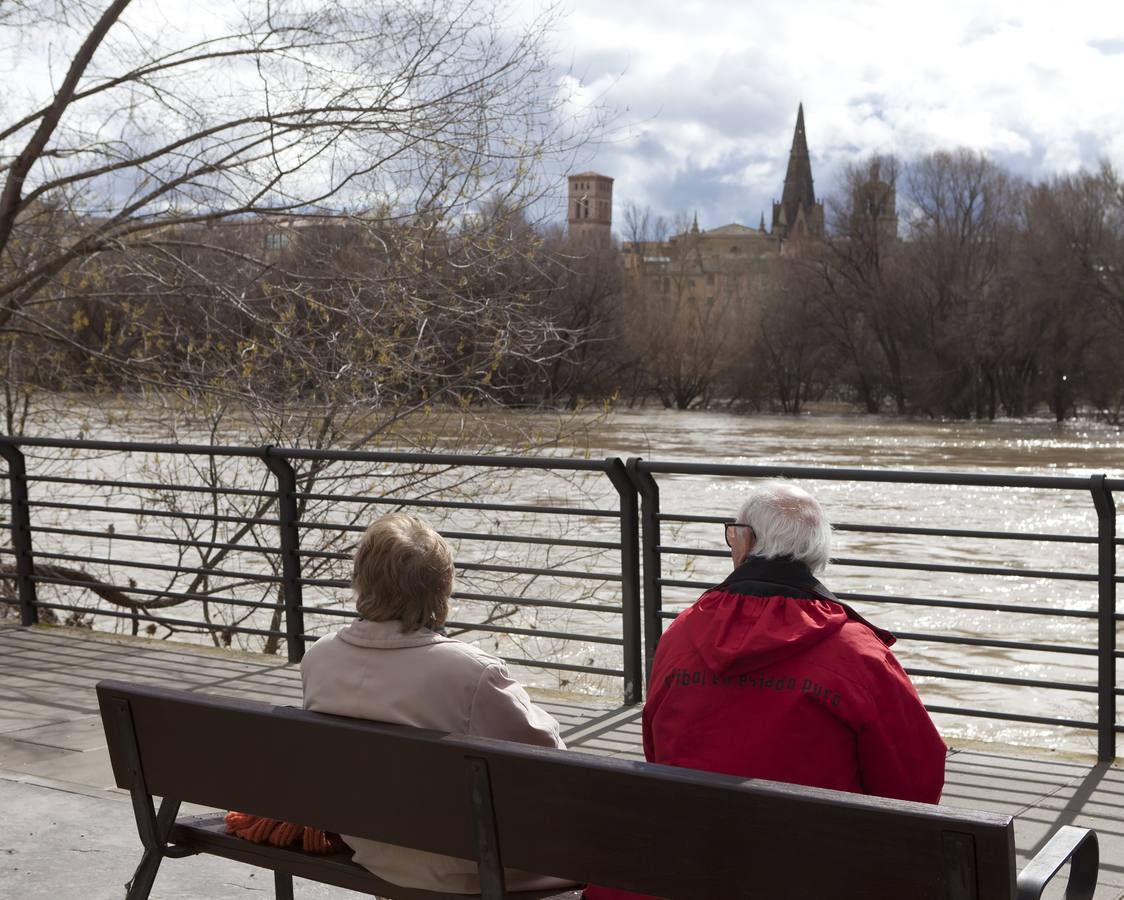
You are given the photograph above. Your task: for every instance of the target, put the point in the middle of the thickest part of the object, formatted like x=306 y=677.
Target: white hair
x=787 y=521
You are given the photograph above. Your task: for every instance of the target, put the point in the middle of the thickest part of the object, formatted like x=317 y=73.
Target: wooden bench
x=655 y=829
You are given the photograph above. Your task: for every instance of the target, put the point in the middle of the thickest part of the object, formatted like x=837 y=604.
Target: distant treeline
x=992 y=297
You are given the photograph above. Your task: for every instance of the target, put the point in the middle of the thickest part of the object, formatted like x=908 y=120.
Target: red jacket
x=769 y=676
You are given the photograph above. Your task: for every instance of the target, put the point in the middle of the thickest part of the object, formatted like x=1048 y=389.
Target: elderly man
x=769 y=676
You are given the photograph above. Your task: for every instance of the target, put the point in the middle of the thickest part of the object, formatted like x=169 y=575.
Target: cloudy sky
x=708 y=89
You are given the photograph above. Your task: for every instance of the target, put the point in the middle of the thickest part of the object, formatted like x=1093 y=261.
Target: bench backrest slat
x=654 y=829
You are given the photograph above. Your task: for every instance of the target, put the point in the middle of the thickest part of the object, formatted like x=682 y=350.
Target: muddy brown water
x=1025 y=447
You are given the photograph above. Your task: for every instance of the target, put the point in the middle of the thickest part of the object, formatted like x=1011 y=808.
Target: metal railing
x=275 y=532
x=1097 y=488
x=599 y=610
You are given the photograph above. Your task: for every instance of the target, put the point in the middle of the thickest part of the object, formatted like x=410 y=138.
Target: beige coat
x=372 y=670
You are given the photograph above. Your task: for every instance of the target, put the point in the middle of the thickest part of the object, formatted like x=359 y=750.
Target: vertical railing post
x=650 y=557
x=291 y=590
x=1106 y=619
x=21 y=533
x=630 y=581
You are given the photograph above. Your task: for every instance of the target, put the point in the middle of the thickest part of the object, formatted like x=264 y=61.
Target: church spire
x=799 y=191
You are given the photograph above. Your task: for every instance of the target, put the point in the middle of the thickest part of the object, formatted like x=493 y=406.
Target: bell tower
x=590 y=208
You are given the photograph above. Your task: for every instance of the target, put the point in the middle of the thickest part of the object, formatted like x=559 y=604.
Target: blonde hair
x=403 y=570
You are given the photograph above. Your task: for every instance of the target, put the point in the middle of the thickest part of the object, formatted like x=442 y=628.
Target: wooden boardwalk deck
x=66 y=832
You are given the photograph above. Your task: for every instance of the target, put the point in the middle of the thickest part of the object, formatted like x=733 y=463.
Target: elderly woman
x=392 y=665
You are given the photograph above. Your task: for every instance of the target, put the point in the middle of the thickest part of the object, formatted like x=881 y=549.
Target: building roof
x=731 y=230
x=591 y=175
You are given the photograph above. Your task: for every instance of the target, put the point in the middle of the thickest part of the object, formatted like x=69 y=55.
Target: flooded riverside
x=1011 y=447
x=564 y=606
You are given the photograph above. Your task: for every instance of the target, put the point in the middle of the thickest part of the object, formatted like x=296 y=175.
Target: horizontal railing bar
x=151 y=486
x=548 y=463
x=525 y=539
x=1010 y=717
x=155 y=513
x=431 y=459
x=448 y=459
x=164 y=620
x=535 y=601
x=564 y=667
x=148 y=539
x=488 y=598
x=513 y=629
x=193 y=596
x=917 y=567
x=132 y=446
x=487 y=567
x=966 y=533
x=962 y=479
x=337 y=555
x=464 y=504
x=160 y=567
x=1001 y=679
x=891 y=564
x=684 y=518
x=469 y=535
x=994 y=642
x=528 y=570
x=963 y=570
x=967 y=604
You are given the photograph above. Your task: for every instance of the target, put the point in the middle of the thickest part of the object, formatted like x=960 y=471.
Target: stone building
x=732 y=259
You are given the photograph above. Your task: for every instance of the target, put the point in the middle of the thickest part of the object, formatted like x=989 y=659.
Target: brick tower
x=590 y=213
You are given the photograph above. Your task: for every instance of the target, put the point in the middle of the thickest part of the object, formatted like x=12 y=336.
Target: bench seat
x=207 y=834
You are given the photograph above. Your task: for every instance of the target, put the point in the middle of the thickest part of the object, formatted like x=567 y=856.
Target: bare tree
x=394 y=119
x=1073 y=250
x=863 y=308
x=964 y=217
x=304 y=225
x=789 y=342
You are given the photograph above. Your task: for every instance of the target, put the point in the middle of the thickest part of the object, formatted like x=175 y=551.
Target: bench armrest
x=1080 y=844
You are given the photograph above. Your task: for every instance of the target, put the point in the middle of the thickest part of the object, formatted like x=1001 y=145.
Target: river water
x=1029 y=447
x=1007 y=447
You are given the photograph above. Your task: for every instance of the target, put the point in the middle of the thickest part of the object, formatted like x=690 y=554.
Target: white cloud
x=711 y=89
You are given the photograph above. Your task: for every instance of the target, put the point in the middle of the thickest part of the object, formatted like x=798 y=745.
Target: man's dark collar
x=796 y=576
x=784 y=571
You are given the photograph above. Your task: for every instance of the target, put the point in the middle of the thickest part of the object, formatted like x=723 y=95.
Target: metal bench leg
x=140 y=885
x=282 y=886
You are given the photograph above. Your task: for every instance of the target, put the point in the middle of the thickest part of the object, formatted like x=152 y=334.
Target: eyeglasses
x=729 y=529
